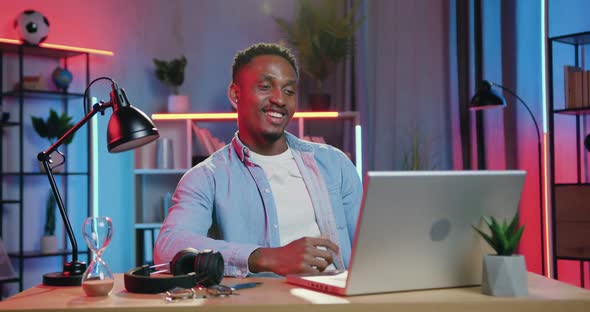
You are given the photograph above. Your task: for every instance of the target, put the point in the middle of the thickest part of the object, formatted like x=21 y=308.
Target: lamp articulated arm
x=45 y=158
x=98 y=107
x=128 y=128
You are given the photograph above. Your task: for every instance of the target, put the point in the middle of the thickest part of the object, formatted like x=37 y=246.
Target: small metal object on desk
x=179 y=294
x=220 y=291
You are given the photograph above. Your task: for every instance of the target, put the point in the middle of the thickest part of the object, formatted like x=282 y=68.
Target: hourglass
x=98 y=280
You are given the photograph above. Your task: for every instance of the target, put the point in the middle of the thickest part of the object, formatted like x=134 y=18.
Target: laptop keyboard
x=330 y=278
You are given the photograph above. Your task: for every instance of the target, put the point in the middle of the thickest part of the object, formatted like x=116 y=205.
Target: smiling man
x=268 y=201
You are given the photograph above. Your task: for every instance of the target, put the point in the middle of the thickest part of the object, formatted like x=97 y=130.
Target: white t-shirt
x=294 y=208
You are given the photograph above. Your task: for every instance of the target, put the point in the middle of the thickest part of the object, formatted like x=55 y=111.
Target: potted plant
x=322 y=39
x=53 y=128
x=171 y=73
x=417 y=156
x=48 y=240
x=504 y=274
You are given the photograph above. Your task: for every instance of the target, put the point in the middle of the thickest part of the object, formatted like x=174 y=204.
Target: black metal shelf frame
x=23 y=51
x=575 y=40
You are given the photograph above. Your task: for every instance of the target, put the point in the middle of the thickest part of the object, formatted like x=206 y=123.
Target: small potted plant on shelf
x=48 y=240
x=504 y=274
x=322 y=39
x=171 y=73
x=53 y=128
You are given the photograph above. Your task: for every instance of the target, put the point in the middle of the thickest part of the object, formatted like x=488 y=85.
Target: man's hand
x=299 y=256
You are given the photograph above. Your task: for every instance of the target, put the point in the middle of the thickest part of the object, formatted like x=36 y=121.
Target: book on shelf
x=204 y=141
x=216 y=143
x=316 y=139
x=576 y=87
x=209 y=142
x=584 y=100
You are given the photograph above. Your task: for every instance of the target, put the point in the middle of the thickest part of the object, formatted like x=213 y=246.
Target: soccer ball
x=32 y=27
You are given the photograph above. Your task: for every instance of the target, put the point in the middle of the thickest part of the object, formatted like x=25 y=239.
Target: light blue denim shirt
x=229 y=197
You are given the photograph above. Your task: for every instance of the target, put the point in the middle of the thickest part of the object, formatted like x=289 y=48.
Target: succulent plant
x=504 y=237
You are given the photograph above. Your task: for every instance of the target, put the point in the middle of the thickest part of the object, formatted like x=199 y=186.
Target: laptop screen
x=415 y=228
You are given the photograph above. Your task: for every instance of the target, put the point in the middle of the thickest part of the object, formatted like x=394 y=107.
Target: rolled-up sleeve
x=189 y=220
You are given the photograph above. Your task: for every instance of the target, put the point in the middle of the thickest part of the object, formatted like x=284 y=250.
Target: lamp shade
x=486 y=98
x=128 y=127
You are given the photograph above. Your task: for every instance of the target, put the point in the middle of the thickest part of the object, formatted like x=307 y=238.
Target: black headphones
x=189 y=268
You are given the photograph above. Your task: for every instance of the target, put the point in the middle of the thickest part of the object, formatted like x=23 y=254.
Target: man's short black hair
x=244 y=57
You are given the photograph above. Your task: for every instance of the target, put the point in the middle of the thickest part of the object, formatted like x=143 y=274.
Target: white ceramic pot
x=48 y=244
x=504 y=276
x=178 y=104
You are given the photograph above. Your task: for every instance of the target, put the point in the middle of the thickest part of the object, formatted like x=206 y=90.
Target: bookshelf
x=569 y=105
x=21 y=181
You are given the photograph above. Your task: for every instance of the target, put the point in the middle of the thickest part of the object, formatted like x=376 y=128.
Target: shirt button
x=276 y=226
x=266 y=190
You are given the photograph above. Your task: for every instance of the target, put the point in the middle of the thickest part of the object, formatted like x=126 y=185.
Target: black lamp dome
x=128 y=126
x=486 y=98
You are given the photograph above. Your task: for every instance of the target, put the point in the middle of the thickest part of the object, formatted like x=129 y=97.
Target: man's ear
x=233 y=95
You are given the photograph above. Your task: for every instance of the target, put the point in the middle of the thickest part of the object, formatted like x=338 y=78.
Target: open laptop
x=414 y=231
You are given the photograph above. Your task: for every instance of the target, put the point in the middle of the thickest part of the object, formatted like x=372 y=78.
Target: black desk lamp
x=128 y=128
x=486 y=98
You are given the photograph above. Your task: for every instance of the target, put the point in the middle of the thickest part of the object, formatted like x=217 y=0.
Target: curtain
x=402 y=82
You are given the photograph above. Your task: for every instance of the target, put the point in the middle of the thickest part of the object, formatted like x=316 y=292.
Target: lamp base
x=71 y=275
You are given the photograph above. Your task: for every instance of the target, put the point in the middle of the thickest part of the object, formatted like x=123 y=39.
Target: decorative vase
x=319 y=101
x=164 y=154
x=504 y=276
x=178 y=104
x=48 y=244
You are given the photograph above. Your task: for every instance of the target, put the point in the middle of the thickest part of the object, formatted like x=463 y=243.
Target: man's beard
x=272 y=137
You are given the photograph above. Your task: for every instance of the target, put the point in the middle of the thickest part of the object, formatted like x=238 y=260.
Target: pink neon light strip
x=229 y=116
x=547 y=240
x=61 y=47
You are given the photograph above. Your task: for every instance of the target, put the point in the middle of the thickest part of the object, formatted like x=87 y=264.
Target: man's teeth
x=274 y=114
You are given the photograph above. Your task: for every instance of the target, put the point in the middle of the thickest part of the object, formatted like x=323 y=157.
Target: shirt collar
x=294 y=143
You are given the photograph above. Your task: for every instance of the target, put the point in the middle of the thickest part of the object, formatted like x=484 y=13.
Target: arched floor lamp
x=486 y=98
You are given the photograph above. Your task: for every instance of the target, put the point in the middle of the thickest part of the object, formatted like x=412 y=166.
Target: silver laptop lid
x=414 y=230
